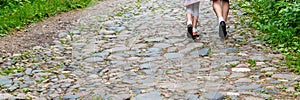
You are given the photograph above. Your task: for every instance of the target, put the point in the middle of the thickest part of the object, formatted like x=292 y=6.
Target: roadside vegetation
x=279 y=24
x=15 y=14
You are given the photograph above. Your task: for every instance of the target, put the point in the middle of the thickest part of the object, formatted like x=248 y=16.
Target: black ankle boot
x=222 y=30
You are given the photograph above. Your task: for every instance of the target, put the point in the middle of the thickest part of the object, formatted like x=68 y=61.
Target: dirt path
x=140 y=51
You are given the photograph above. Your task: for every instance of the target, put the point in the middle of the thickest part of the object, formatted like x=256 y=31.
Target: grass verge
x=279 y=24
x=15 y=14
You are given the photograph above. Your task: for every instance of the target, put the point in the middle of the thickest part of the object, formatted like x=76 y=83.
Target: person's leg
x=189 y=15
x=218 y=9
x=225 y=6
x=195 y=18
x=189 y=18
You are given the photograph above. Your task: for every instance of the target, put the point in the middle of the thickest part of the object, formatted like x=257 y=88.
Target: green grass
x=279 y=24
x=15 y=14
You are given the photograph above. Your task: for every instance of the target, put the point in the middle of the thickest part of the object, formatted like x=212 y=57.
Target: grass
x=15 y=14
x=278 y=23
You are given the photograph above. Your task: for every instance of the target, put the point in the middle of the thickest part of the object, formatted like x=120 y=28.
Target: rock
x=285 y=76
x=275 y=82
x=201 y=52
x=162 y=45
x=254 y=86
x=230 y=50
x=240 y=70
x=70 y=97
x=102 y=54
x=155 y=50
x=243 y=65
x=76 y=32
x=173 y=55
x=220 y=73
x=290 y=89
x=5 y=80
x=243 y=80
x=252 y=98
x=158 y=39
x=148 y=71
x=237 y=75
x=259 y=58
x=147 y=66
x=1 y=60
x=192 y=97
x=214 y=96
x=268 y=69
x=28 y=71
x=6 y=96
x=94 y=59
x=63 y=34
x=148 y=96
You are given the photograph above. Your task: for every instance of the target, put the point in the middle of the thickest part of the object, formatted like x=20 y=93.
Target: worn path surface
x=140 y=51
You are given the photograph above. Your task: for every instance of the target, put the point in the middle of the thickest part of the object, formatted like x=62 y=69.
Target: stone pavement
x=138 y=49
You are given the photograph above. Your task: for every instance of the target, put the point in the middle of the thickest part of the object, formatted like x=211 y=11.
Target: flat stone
x=6 y=96
x=158 y=39
x=240 y=70
x=173 y=55
x=248 y=87
x=72 y=97
x=162 y=45
x=214 y=96
x=220 y=73
x=268 y=69
x=252 y=98
x=243 y=65
x=102 y=54
x=94 y=59
x=230 y=50
x=192 y=97
x=1 y=60
x=28 y=71
x=148 y=71
x=237 y=75
x=5 y=80
x=259 y=58
x=149 y=96
x=243 y=80
x=155 y=50
x=201 y=52
x=117 y=49
x=275 y=82
x=147 y=66
x=285 y=76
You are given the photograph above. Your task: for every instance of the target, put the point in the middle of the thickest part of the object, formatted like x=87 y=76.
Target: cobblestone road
x=138 y=49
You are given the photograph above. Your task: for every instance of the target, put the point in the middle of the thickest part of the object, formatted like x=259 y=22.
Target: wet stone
x=285 y=76
x=158 y=39
x=214 y=96
x=243 y=80
x=201 y=52
x=259 y=58
x=268 y=69
x=162 y=45
x=147 y=66
x=173 y=55
x=149 y=96
x=240 y=69
x=102 y=54
x=69 y=96
x=192 y=97
x=5 y=80
x=254 y=86
x=230 y=50
x=28 y=71
x=237 y=75
x=94 y=59
x=155 y=50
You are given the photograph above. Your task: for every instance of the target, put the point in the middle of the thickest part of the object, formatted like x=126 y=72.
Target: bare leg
x=189 y=17
x=217 y=8
x=225 y=6
x=195 y=23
